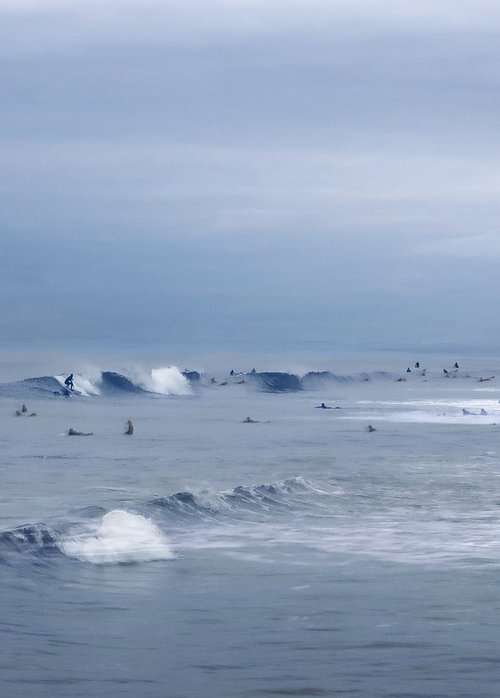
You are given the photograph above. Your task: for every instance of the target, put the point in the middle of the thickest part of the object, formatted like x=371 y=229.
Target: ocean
x=245 y=542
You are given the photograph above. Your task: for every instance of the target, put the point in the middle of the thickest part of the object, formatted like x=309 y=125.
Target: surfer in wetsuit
x=69 y=382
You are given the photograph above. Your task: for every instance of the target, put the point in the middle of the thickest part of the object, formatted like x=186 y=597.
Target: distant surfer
x=22 y=411
x=417 y=365
x=408 y=370
x=69 y=382
x=456 y=365
x=130 y=428
x=73 y=432
x=370 y=428
x=249 y=420
x=322 y=407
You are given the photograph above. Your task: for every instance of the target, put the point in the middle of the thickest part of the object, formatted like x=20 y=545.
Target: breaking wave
x=162 y=381
x=120 y=536
x=294 y=493
x=170 y=380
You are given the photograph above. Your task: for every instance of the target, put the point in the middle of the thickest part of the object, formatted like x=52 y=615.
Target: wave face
x=275 y=382
x=279 y=382
x=113 y=382
x=42 y=385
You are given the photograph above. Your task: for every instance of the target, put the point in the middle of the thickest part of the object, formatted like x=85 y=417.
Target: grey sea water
x=298 y=554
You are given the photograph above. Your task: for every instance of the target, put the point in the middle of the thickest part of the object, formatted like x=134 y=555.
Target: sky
x=262 y=172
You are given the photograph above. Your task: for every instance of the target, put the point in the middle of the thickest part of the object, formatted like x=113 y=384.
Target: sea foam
x=121 y=537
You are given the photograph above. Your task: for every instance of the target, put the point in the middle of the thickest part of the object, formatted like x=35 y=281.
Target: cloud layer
x=278 y=169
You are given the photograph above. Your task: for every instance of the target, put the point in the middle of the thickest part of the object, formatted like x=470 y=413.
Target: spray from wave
x=120 y=537
x=165 y=381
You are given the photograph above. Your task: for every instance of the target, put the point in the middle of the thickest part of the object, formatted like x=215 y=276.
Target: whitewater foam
x=168 y=381
x=121 y=537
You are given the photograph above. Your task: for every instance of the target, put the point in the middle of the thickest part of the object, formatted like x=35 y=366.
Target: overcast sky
x=270 y=171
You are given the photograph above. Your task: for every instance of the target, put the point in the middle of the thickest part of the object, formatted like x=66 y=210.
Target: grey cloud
x=232 y=168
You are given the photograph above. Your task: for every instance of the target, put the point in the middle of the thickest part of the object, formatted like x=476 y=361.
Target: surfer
x=130 y=428
x=371 y=428
x=73 y=432
x=417 y=365
x=69 y=382
x=322 y=407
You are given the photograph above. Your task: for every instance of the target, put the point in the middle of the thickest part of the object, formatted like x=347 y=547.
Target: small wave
x=31 y=539
x=120 y=537
x=279 y=382
x=28 y=387
x=293 y=493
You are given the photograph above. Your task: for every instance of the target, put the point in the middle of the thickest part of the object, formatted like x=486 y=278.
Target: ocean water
x=297 y=554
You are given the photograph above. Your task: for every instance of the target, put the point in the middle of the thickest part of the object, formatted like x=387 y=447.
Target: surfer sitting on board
x=69 y=382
